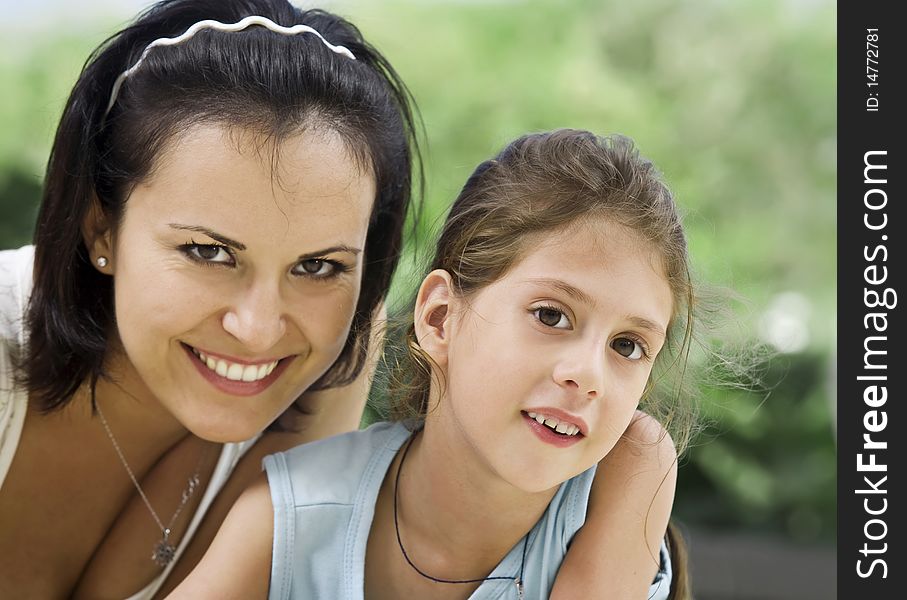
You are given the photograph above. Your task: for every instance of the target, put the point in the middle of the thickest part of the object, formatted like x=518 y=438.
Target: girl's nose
x=582 y=370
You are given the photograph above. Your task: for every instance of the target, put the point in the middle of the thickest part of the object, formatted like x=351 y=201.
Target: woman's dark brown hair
x=271 y=84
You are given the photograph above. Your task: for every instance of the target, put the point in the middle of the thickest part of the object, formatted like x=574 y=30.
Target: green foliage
x=37 y=73
x=19 y=195
x=766 y=459
x=734 y=101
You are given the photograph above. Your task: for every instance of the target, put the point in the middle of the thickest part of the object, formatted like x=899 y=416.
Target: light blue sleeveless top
x=324 y=496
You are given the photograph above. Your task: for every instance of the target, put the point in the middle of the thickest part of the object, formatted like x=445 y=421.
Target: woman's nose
x=256 y=319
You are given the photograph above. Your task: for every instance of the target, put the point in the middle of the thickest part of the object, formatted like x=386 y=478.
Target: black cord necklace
x=518 y=581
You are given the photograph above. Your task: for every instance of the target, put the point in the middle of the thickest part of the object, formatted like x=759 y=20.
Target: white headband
x=210 y=24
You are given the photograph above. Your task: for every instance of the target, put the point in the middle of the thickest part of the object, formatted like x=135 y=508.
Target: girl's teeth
x=562 y=428
x=221 y=368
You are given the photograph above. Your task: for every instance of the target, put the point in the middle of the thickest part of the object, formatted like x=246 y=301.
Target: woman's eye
x=551 y=317
x=210 y=253
x=628 y=348
x=316 y=267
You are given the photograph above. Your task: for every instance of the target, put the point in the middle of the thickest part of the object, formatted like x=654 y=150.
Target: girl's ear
x=98 y=237
x=432 y=315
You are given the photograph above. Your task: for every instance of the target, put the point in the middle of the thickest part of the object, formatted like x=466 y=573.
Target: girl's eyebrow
x=211 y=234
x=581 y=296
x=558 y=284
x=648 y=325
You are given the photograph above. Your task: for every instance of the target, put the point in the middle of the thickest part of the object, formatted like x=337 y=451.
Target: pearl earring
x=102 y=261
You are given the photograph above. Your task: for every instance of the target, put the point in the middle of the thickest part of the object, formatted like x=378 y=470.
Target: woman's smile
x=232 y=376
x=257 y=295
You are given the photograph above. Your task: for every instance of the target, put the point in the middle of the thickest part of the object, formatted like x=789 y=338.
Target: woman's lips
x=237 y=378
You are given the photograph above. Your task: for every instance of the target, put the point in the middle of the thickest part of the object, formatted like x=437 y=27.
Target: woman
x=221 y=218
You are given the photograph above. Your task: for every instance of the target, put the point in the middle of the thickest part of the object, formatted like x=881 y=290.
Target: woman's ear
x=432 y=315
x=98 y=237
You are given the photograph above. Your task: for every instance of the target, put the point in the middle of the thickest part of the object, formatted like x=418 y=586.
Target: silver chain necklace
x=163 y=551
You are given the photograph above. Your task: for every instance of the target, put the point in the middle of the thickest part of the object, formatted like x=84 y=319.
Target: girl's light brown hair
x=542 y=183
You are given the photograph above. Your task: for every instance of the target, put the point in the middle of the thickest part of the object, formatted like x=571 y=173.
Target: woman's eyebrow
x=332 y=249
x=240 y=246
x=211 y=234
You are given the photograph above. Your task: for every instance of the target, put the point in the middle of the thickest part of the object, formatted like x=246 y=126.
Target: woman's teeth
x=559 y=426
x=235 y=371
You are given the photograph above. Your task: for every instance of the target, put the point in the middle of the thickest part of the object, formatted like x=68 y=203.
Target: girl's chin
x=531 y=479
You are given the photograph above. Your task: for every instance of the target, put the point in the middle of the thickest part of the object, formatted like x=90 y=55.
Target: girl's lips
x=561 y=415
x=548 y=435
x=237 y=388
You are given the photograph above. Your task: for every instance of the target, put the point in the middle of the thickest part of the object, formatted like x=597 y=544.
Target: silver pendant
x=163 y=551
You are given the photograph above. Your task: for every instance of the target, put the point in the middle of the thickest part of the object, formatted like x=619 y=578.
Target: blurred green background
x=735 y=101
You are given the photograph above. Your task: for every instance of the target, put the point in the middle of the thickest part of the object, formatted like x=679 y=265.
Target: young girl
x=519 y=466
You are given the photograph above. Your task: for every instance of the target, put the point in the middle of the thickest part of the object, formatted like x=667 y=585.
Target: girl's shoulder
x=629 y=504
x=339 y=464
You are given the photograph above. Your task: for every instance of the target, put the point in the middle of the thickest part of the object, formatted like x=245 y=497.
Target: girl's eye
x=209 y=253
x=552 y=317
x=316 y=267
x=628 y=348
